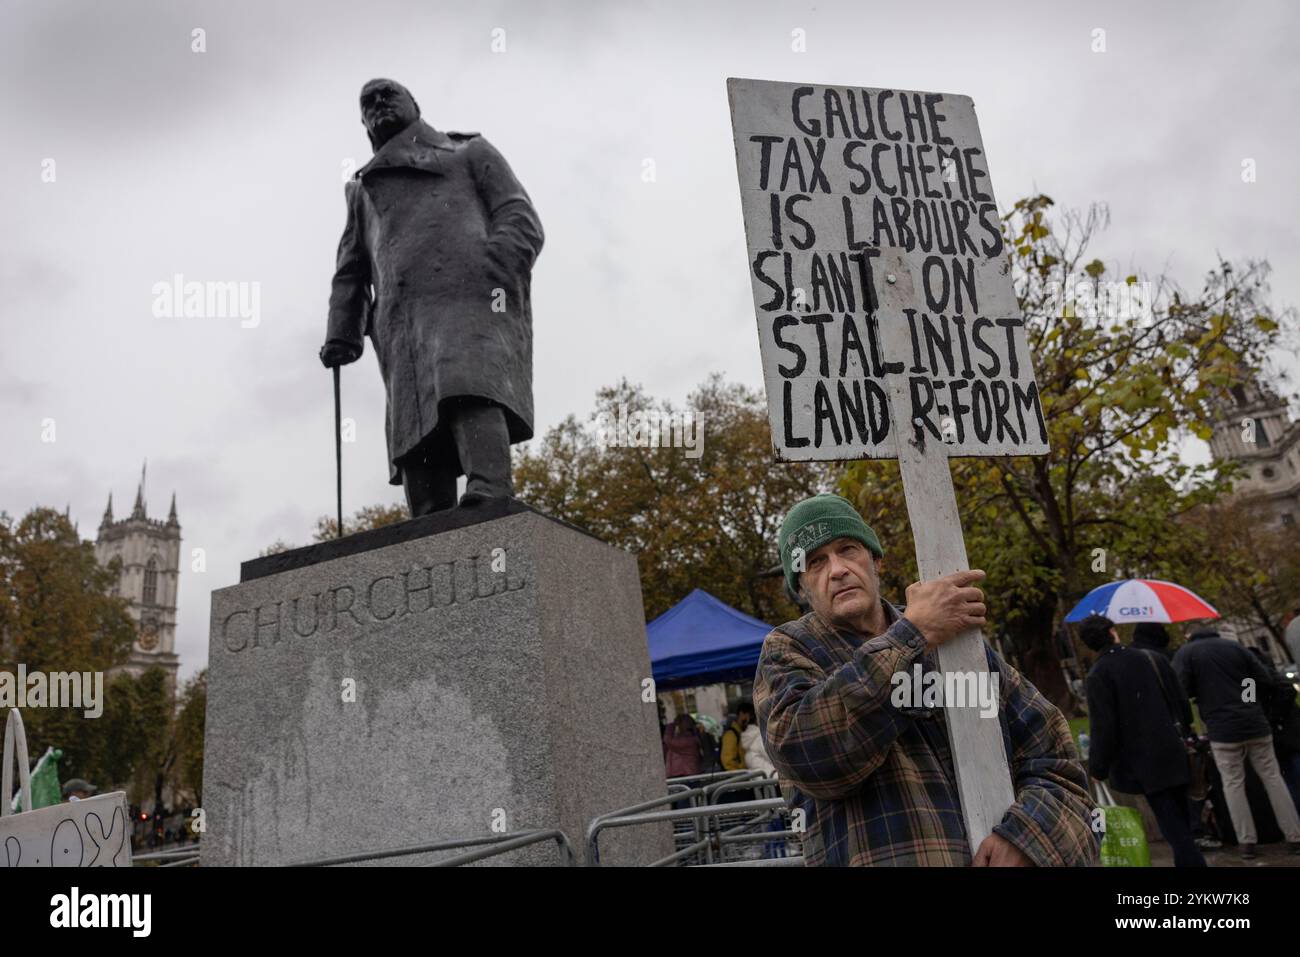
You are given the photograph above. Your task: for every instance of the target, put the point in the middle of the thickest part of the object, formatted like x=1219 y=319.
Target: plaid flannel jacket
x=877 y=783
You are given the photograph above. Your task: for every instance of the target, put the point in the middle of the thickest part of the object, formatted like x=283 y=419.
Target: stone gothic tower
x=149 y=550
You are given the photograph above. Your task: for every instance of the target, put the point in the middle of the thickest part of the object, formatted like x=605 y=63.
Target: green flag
x=45 y=783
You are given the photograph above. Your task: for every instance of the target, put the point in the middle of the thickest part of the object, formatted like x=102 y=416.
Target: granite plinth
x=444 y=686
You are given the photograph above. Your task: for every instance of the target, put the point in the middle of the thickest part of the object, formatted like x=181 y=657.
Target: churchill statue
x=435 y=267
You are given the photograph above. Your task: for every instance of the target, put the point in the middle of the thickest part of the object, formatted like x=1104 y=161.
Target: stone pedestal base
x=428 y=682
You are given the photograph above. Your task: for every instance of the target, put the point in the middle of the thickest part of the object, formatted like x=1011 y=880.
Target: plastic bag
x=1124 y=839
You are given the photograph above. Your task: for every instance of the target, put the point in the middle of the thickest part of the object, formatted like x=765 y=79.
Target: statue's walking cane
x=338 y=448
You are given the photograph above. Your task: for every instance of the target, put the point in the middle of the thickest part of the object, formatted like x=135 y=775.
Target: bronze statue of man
x=435 y=267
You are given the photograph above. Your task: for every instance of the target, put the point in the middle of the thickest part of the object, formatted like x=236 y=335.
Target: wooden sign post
x=888 y=323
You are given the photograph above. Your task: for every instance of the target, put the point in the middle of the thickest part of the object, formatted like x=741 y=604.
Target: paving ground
x=1270 y=855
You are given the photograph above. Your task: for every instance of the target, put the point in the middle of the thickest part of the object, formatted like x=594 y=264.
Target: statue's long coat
x=443 y=232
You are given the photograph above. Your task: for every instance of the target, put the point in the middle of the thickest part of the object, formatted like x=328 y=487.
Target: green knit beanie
x=818 y=520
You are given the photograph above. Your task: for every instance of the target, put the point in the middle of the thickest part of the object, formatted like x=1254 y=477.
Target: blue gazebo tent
x=702 y=641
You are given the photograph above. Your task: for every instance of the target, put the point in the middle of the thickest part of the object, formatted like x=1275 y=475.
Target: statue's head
x=387 y=108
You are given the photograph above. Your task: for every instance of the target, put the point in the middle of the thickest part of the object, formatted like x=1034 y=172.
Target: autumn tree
x=187 y=770
x=58 y=614
x=1248 y=563
x=130 y=746
x=706 y=520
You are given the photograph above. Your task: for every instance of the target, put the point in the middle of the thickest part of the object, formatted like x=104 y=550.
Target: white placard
x=877 y=264
x=92 y=832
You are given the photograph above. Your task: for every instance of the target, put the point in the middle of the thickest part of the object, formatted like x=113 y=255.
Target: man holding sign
x=889 y=327
x=845 y=717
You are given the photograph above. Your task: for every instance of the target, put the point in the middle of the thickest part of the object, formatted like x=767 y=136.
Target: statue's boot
x=429 y=483
x=483 y=441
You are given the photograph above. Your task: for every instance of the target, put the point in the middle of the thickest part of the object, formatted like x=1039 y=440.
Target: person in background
x=708 y=749
x=756 y=759
x=682 y=747
x=78 y=789
x=1218 y=673
x=1278 y=702
x=1138 y=719
x=733 y=753
x=1152 y=636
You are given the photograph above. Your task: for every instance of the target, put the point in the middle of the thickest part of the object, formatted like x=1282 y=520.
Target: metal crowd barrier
x=484 y=847
x=706 y=832
x=763 y=862
x=729 y=821
x=173 y=857
x=679 y=794
x=699 y=780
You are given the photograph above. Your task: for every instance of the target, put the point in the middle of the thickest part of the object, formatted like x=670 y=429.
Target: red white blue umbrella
x=1142 y=599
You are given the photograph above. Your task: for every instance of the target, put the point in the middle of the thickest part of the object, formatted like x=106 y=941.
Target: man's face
x=743 y=720
x=842 y=581
x=386 y=109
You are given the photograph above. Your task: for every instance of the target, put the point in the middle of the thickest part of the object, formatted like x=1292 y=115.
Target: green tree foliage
x=150 y=739
x=56 y=607
x=129 y=746
x=693 y=522
x=187 y=770
x=58 y=614
x=154 y=706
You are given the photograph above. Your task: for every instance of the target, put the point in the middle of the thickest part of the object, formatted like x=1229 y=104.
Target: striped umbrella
x=1142 y=599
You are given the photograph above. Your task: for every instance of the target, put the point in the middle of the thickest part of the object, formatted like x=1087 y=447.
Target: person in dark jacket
x=1278 y=701
x=1226 y=680
x=1138 y=719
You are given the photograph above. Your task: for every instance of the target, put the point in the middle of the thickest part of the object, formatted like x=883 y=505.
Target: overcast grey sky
x=227 y=165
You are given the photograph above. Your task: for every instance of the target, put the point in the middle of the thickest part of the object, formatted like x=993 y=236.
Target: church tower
x=149 y=550
x=1254 y=429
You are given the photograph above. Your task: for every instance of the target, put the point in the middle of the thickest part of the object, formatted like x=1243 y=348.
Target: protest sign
x=876 y=254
